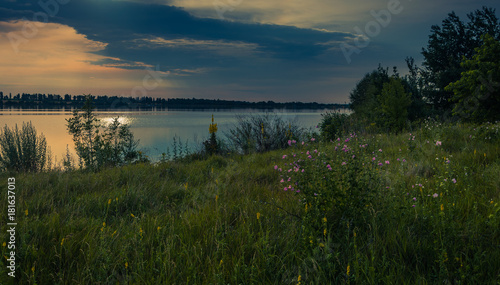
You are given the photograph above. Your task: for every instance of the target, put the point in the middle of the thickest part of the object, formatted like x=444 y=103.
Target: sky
x=251 y=50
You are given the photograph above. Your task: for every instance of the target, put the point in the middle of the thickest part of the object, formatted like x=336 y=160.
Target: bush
x=98 y=145
x=261 y=133
x=22 y=150
x=333 y=125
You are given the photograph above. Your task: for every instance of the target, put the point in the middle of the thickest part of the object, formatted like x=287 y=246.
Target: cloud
x=57 y=58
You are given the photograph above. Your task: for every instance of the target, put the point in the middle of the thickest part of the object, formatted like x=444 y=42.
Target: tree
x=364 y=101
x=98 y=145
x=446 y=48
x=394 y=103
x=477 y=92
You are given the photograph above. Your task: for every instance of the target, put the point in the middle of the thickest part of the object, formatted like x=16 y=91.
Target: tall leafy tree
x=394 y=103
x=477 y=92
x=447 y=45
x=364 y=97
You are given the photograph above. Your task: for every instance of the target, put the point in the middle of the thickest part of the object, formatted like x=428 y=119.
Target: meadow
x=419 y=207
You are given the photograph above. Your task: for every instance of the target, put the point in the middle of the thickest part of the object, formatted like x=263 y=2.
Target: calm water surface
x=154 y=129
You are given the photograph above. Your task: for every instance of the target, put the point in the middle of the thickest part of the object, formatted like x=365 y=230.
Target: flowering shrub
x=337 y=184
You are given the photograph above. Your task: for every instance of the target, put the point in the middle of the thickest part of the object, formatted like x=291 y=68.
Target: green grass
x=228 y=220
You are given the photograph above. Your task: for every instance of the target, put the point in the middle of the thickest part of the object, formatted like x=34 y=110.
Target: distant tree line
x=48 y=101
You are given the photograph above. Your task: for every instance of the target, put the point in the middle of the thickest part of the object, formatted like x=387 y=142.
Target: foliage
x=99 y=145
x=261 y=133
x=394 y=104
x=364 y=97
x=477 y=92
x=22 y=150
x=212 y=145
x=447 y=46
x=433 y=216
x=333 y=125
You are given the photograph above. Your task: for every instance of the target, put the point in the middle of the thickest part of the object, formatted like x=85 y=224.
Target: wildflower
x=386 y=162
x=126 y=264
x=380 y=150
x=454 y=180
x=344 y=163
x=109 y=201
x=220 y=263
x=404 y=160
x=438 y=143
x=284 y=156
x=329 y=167
x=373 y=159
x=348 y=269
x=414 y=199
x=435 y=195
x=275 y=167
x=321 y=244
x=324 y=219
x=258 y=215
x=313 y=139
x=442 y=207
x=132 y=215
x=281 y=181
x=26 y=212
x=413 y=205
x=158 y=228
x=33 y=269
x=290 y=142
x=302 y=170
x=62 y=241
x=217 y=196
x=4 y=244
x=380 y=164
x=113 y=233
x=286 y=188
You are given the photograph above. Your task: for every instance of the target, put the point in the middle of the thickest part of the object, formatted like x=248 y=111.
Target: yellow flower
x=474 y=152
x=324 y=232
x=442 y=207
x=109 y=201
x=103 y=224
x=216 y=198
x=62 y=241
x=33 y=269
x=220 y=263
x=186 y=186
x=321 y=244
x=324 y=220
x=4 y=244
x=354 y=234
x=116 y=199
x=113 y=233
x=158 y=228
x=26 y=212
x=258 y=215
x=348 y=269
x=132 y=215
x=126 y=264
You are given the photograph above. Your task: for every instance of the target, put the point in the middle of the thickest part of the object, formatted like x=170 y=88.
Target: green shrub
x=22 y=150
x=333 y=125
x=261 y=133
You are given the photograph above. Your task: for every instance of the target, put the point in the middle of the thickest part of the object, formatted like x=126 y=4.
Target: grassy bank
x=377 y=209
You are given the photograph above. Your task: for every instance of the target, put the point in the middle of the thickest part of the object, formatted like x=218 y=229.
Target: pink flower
x=344 y=163
x=275 y=167
x=302 y=170
x=284 y=156
x=373 y=158
x=380 y=164
x=329 y=167
x=282 y=180
x=454 y=180
x=438 y=143
x=289 y=142
x=386 y=162
x=435 y=195
x=313 y=139
x=380 y=150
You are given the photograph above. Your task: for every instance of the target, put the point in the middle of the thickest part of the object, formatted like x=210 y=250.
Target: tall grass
x=22 y=150
x=425 y=211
